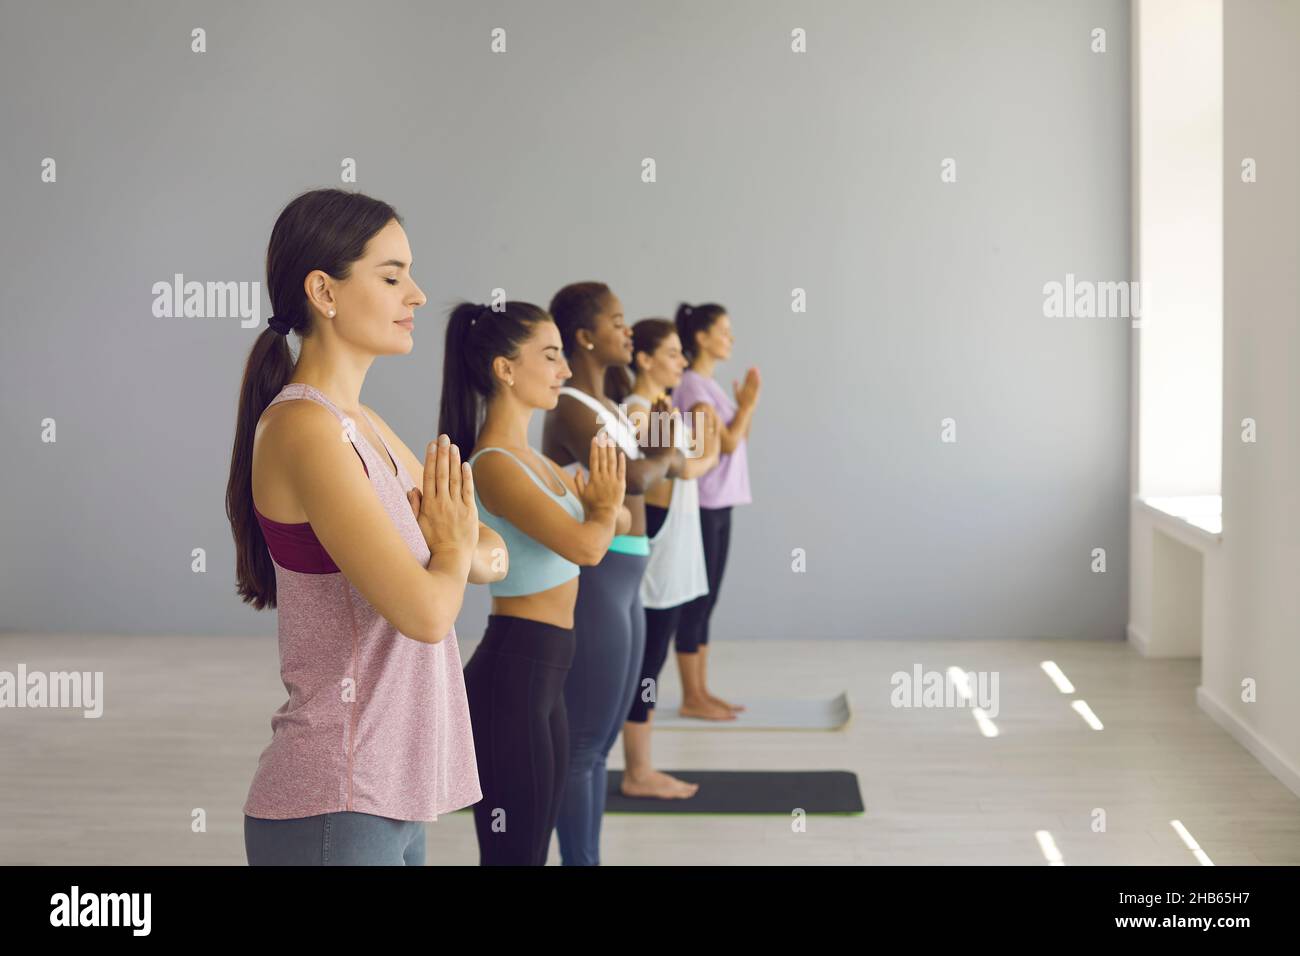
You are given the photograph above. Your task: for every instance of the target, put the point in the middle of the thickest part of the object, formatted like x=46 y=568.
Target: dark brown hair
x=325 y=229
x=647 y=336
x=576 y=307
x=695 y=318
x=475 y=336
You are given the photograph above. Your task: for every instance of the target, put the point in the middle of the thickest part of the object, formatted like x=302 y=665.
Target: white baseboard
x=1245 y=735
x=1139 y=641
x=1142 y=645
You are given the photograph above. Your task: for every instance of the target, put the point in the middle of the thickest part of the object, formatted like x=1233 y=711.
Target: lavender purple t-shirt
x=727 y=484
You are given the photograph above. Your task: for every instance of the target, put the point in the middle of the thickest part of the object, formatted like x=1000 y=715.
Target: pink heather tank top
x=375 y=722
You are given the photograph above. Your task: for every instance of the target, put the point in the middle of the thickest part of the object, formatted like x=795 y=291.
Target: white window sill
x=1195 y=519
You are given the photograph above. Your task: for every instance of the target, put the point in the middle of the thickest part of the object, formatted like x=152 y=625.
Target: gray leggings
x=345 y=838
x=609 y=646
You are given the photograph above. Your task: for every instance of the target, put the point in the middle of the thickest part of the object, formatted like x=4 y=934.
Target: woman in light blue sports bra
x=500 y=367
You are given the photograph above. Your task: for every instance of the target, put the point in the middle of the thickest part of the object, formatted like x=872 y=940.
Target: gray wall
x=521 y=170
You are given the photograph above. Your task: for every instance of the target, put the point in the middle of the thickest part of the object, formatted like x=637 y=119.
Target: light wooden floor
x=185 y=719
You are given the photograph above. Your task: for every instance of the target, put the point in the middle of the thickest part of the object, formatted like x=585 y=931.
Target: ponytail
x=477 y=334
x=459 y=413
x=270 y=365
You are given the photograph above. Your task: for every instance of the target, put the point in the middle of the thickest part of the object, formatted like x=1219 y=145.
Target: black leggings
x=693 y=630
x=515 y=686
x=660 y=625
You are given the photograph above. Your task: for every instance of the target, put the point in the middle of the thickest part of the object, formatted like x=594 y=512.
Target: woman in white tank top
x=675 y=573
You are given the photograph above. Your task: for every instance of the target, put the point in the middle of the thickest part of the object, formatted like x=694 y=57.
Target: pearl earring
x=331 y=313
x=590 y=345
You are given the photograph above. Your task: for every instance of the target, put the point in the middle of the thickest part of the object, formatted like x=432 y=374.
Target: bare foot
x=722 y=703
x=706 y=709
x=654 y=783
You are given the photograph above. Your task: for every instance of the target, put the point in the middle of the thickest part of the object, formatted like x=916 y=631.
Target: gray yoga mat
x=830 y=713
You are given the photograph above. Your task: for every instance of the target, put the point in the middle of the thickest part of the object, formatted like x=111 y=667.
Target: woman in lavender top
x=705 y=332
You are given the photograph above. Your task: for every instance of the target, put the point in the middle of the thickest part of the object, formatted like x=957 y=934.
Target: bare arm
x=623 y=523
x=695 y=467
x=578 y=424
x=507 y=491
x=746 y=401
x=356 y=531
x=731 y=433
x=491 y=561
x=705 y=443
x=735 y=431
x=491 y=558
x=706 y=440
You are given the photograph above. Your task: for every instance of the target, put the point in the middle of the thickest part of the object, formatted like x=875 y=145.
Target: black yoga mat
x=748 y=791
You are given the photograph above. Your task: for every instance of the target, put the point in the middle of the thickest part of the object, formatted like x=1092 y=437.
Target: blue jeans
x=345 y=838
x=609 y=647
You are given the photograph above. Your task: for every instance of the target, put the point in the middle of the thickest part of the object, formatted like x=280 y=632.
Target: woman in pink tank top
x=367 y=569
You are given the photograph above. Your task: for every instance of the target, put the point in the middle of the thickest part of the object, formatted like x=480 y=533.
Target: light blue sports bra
x=533 y=566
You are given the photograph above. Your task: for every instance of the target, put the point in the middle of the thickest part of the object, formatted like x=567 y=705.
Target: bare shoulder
x=293 y=440
x=554 y=434
x=290 y=427
x=578 y=420
x=569 y=408
x=498 y=478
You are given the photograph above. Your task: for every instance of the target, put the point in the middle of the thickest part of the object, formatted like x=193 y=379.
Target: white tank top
x=616 y=426
x=675 y=572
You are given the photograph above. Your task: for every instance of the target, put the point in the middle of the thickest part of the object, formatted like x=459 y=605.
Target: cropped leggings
x=660 y=626
x=345 y=838
x=693 y=629
x=609 y=626
x=515 y=685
